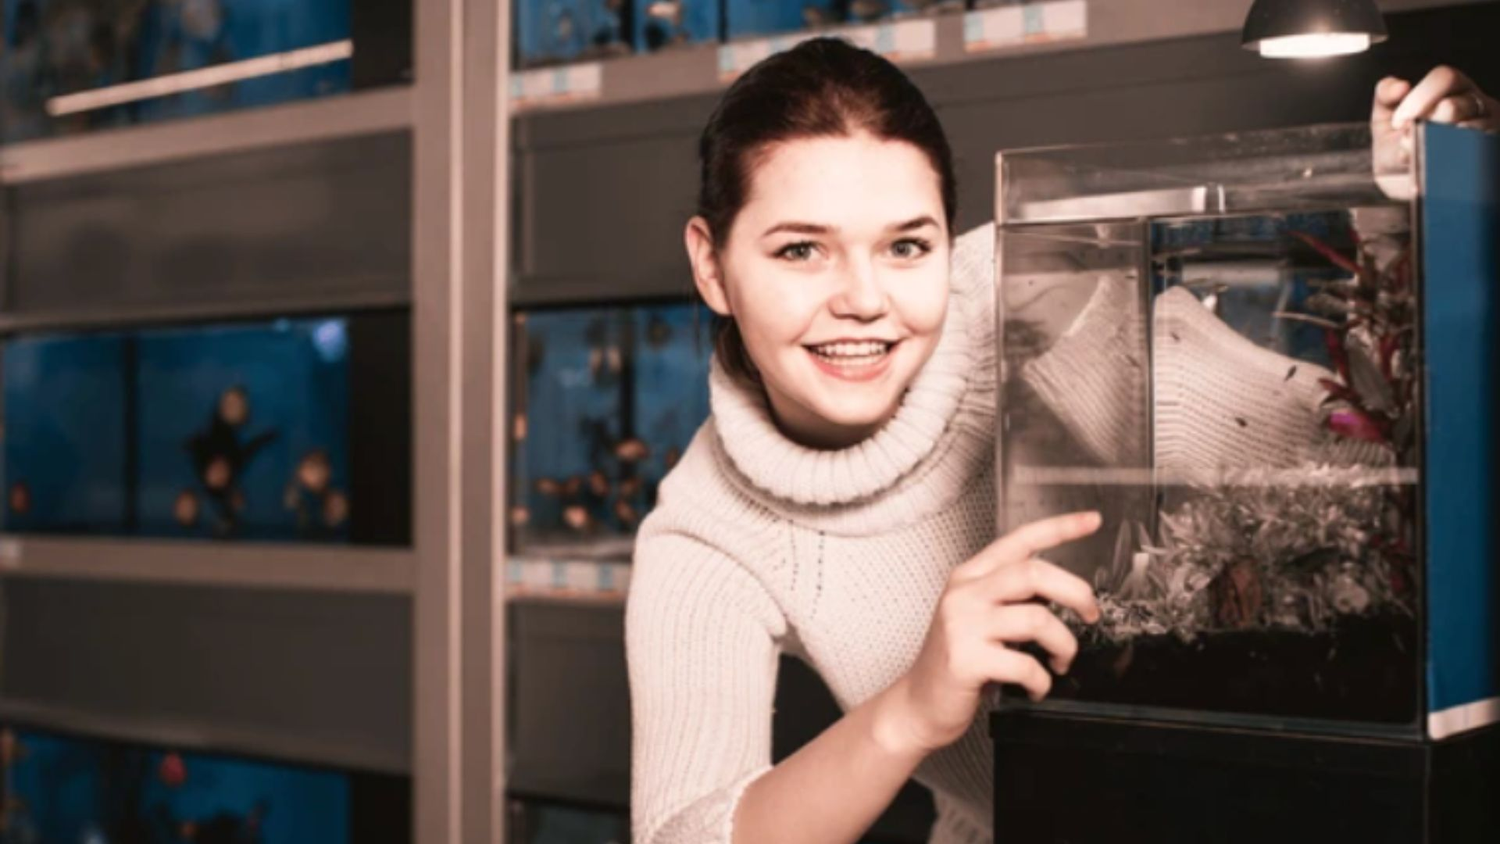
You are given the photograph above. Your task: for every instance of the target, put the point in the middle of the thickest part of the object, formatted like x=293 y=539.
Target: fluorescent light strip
x=207 y=77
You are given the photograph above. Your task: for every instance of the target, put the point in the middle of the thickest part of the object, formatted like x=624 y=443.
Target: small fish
x=629 y=487
x=1242 y=421
x=185 y=509
x=20 y=498
x=598 y=483
x=1289 y=373
x=671 y=457
x=173 y=771
x=626 y=513
x=577 y=518
x=520 y=516
x=658 y=332
x=632 y=450
x=573 y=485
x=547 y=487
x=335 y=508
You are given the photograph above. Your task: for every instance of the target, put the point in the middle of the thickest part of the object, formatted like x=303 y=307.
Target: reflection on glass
x=1228 y=373
x=56 y=49
x=608 y=401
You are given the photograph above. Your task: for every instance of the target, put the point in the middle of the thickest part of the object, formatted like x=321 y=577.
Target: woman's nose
x=861 y=297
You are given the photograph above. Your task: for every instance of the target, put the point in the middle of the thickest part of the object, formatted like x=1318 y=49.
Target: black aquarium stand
x=1079 y=780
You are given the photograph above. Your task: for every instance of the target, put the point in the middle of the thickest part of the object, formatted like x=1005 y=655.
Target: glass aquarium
x=1234 y=349
x=671 y=23
x=232 y=431
x=67 y=787
x=76 y=65
x=550 y=32
x=751 y=18
x=607 y=400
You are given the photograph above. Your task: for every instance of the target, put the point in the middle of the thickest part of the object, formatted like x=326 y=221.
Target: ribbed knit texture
x=759 y=546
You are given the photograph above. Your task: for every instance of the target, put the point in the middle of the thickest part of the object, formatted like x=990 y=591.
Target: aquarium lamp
x=1308 y=29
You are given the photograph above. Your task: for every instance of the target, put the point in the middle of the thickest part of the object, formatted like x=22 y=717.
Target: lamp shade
x=1311 y=28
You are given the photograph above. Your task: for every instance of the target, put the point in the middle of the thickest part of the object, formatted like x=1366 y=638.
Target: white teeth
x=851 y=350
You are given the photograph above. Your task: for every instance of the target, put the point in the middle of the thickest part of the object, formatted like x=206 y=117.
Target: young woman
x=839 y=505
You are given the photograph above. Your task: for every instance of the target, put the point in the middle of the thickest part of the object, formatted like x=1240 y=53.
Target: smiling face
x=836 y=273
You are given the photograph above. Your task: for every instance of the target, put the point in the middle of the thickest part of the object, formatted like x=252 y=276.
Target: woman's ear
x=708 y=274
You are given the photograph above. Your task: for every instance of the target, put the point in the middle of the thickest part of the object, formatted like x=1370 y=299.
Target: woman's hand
x=991 y=600
x=1444 y=96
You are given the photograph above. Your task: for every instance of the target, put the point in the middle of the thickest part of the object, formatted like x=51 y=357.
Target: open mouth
x=852 y=358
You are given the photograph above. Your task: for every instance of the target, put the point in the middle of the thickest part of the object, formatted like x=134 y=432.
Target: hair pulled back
x=823 y=87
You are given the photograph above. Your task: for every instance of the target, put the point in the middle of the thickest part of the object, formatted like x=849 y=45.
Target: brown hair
x=824 y=87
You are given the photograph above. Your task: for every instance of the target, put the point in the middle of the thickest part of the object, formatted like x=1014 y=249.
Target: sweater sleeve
x=702 y=641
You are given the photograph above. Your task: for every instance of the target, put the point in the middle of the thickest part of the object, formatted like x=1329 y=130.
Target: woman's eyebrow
x=914 y=223
x=800 y=228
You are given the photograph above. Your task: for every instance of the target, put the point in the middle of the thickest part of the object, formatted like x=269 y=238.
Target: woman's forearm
x=835 y=787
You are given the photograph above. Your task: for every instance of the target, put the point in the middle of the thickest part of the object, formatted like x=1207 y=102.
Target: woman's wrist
x=890 y=721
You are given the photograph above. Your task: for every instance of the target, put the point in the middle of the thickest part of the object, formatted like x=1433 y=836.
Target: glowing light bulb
x=1315 y=45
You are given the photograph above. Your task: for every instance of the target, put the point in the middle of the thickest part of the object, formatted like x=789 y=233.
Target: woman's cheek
x=923 y=305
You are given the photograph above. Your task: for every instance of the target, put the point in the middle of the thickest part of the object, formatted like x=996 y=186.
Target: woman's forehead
x=857 y=178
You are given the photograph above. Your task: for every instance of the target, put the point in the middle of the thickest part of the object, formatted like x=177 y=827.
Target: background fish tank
x=56 y=49
x=1265 y=359
x=607 y=400
x=65 y=787
x=557 y=31
x=750 y=18
x=670 y=23
x=232 y=431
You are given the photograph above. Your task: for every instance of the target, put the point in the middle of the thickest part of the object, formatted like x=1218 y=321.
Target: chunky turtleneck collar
x=919 y=436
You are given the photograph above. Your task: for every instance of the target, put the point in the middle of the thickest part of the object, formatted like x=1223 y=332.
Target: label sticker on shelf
x=566 y=579
x=737 y=57
x=1032 y=23
x=906 y=40
x=554 y=85
x=899 y=41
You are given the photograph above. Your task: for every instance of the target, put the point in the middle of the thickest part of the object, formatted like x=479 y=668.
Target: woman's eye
x=910 y=248
x=796 y=251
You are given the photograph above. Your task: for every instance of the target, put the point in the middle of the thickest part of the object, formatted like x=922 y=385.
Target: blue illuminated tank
x=607 y=401
x=61 y=47
x=549 y=32
x=71 y=788
x=65 y=434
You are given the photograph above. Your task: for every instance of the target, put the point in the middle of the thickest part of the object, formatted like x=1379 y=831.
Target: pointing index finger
x=1031 y=539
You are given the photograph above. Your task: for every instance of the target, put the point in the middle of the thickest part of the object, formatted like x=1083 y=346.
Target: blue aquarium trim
x=1461 y=268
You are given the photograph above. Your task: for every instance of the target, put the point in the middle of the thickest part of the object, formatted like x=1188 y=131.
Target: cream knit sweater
x=759 y=546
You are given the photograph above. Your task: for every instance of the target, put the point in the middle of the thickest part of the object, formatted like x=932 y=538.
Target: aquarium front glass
x=607 y=400
x=1214 y=343
x=240 y=431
